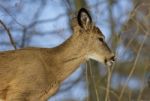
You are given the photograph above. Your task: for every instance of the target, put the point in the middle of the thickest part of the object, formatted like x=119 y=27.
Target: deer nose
x=110 y=61
x=113 y=58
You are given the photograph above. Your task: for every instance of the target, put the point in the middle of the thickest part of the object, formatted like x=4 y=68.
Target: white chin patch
x=110 y=63
x=95 y=57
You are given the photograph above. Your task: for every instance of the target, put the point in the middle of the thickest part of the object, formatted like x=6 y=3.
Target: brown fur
x=35 y=74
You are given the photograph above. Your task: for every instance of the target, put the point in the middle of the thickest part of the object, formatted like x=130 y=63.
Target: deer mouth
x=109 y=62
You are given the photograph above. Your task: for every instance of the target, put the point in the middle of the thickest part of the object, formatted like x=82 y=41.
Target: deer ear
x=84 y=18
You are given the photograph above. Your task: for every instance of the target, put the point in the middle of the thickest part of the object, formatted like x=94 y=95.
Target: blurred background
x=125 y=24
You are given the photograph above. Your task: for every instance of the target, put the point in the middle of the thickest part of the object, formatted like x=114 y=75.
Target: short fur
x=35 y=74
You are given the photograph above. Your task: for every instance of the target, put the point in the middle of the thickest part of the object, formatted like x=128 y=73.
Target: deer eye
x=101 y=39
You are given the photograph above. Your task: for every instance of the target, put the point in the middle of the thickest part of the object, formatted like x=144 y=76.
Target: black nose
x=110 y=61
x=113 y=58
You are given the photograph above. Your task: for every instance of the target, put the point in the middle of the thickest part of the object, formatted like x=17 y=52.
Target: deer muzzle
x=110 y=61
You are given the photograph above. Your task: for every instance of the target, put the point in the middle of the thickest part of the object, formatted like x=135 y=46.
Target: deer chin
x=102 y=60
x=96 y=57
x=109 y=63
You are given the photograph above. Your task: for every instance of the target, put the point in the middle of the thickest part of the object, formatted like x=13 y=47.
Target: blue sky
x=53 y=9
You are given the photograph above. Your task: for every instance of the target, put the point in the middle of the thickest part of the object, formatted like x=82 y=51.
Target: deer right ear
x=84 y=18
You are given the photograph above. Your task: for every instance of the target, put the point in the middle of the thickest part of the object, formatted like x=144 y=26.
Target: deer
x=35 y=74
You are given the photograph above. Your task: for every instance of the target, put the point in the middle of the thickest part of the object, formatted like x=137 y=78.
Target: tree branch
x=9 y=34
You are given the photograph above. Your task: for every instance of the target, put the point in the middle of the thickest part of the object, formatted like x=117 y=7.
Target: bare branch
x=13 y=18
x=9 y=34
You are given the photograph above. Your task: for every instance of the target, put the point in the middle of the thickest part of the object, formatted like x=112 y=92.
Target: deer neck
x=69 y=56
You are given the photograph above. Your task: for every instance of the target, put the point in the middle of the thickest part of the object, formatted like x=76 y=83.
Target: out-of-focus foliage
x=126 y=25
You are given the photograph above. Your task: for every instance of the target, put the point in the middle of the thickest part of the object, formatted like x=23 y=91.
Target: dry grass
x=140 y=28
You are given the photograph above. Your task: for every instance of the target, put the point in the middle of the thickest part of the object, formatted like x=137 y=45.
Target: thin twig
x=110 y=91
x=9 y=34
x=93 y=80
x=142 y=89
x=135 y=62
x=14 y=19
x=109 y=70
x=87 y=79
x=133 y=68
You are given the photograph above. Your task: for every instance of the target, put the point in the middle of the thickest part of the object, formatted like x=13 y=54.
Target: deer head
x=92 y=39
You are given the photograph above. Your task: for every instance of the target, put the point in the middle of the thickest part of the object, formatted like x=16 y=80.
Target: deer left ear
x=84 y=18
